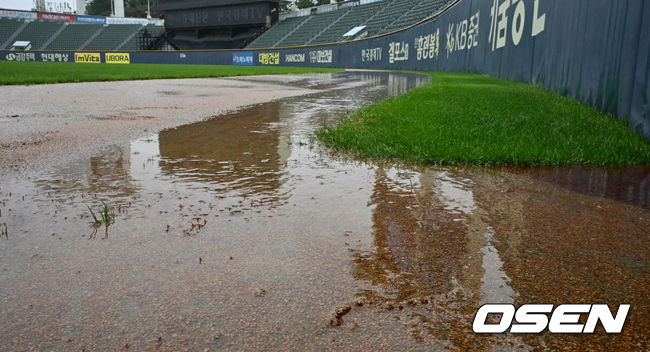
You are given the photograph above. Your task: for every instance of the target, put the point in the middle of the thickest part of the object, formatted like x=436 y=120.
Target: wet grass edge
x=471 y=119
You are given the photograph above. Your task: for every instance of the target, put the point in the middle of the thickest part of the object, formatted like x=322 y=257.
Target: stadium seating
x=391 y=11
x=378 y=17
x=420 y=11
x=55 y=35
x=310 y=29
x=357 y=16
x=113 y=36
x=39 y=32
x=8 y=27
x=271 y=37
x=73 y=36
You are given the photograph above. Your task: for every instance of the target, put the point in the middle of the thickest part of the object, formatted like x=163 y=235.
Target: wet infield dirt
x=240 y=232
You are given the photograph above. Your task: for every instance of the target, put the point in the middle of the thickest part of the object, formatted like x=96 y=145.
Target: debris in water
x=337 y=320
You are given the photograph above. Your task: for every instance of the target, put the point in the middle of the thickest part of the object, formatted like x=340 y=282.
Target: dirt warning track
x=45 y=124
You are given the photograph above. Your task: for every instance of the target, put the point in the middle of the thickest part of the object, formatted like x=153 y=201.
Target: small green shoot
x=4 y=231
x=97 y=222
x=107 y=215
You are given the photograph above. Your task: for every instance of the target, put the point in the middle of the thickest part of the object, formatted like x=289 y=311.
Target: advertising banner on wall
x=244 y=58
x=49 y=56
x=56 y=17
x=91 y=19
x=122 y=20
x=268 y=58
x=117 y=58
x=18 y=14
x=88 y=58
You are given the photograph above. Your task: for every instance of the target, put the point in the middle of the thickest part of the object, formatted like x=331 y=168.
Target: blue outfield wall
x=595 y=51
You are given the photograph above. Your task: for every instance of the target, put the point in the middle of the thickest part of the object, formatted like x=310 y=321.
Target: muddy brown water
x=242 y=233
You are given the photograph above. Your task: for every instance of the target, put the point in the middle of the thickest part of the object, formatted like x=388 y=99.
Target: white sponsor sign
x=509 y=16
x=18 y=14
x=370 y=55
x=398 y=51
x=122 y=20
x=320 y=56
x=294 y=58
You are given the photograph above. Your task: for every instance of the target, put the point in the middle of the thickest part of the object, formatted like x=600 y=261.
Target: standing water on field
x=242 y=233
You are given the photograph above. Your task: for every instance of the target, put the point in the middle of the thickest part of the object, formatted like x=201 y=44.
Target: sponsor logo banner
x=269 y=58
x=18 y=14
x=117 y=58
x=88 y=58
x=371 y=54
x=21 y=56
x=242 y=58
x=91 y=19
x=55 y=57
x=121 y=20
x=320 y=57
x=294 y=58
x=35 y=56
x=56 y=17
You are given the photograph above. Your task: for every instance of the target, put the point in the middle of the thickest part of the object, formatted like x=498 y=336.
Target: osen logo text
x=534 y=318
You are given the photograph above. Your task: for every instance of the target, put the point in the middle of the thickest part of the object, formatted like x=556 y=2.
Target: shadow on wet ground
x=242 y=233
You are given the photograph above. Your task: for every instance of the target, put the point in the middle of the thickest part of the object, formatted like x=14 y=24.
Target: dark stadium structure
x=215 y=24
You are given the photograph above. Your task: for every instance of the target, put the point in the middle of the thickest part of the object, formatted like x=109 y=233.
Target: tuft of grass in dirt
x=107 y=216
x=481 y=120
x=13 y=73
x=96 y=222
x=4 y=231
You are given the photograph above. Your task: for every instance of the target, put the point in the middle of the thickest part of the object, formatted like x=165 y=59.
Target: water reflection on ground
x=625 y=184
x=242 y=233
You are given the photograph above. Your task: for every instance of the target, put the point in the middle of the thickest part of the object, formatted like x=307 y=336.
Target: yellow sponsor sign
x=117 y=58
x=269 y=58
x=88 y=58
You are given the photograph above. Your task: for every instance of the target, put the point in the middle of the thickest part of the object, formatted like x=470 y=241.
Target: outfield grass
x=475 y=119
x=60 y=72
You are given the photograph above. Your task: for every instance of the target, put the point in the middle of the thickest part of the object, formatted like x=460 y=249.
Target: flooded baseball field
x=242 y=233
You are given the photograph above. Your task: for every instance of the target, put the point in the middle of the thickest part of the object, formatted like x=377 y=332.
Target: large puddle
x=242 y=233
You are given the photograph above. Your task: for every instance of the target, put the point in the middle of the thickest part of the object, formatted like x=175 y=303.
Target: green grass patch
x=61 y=72
x=480 y=120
